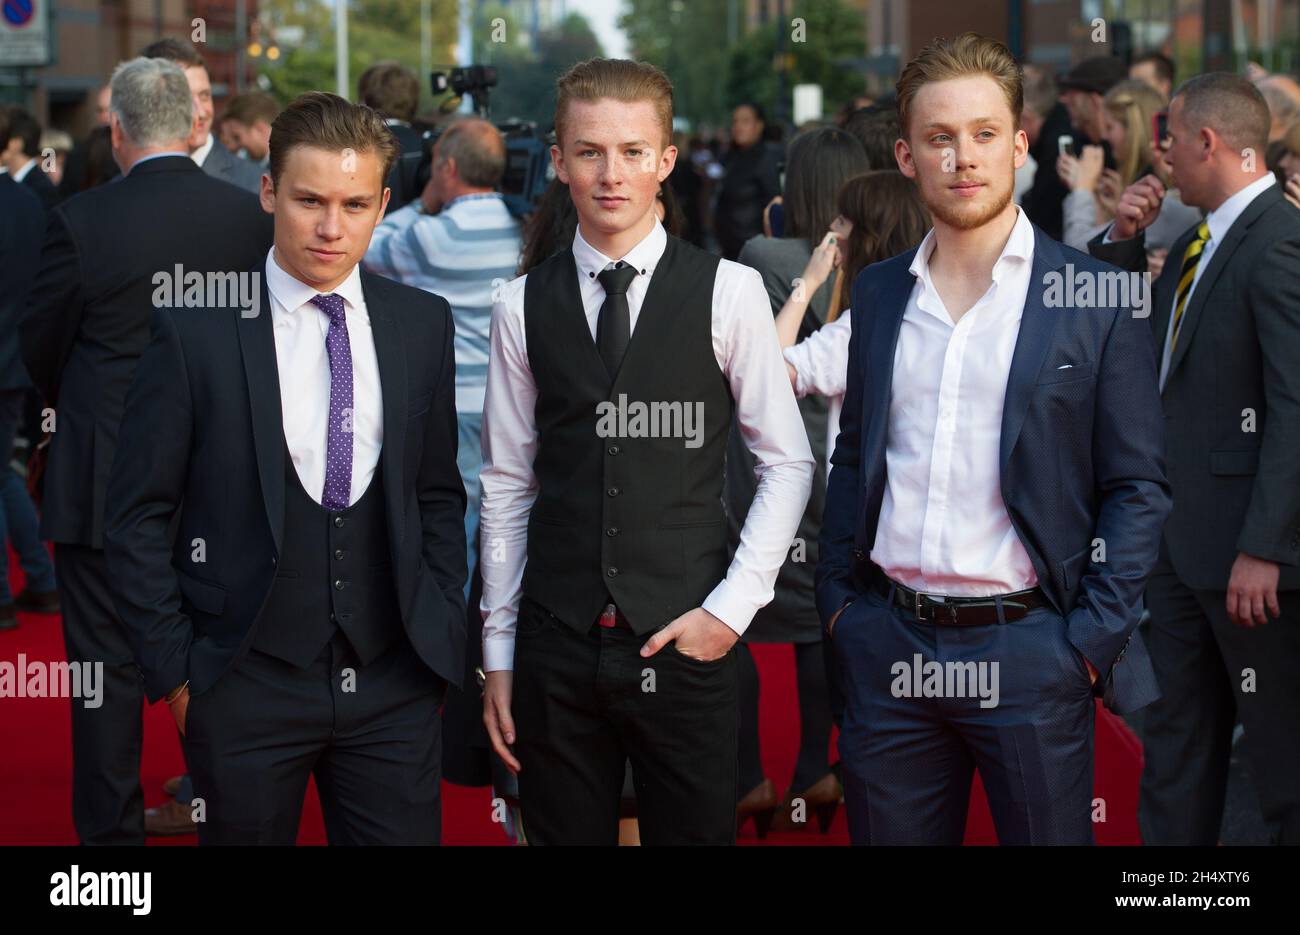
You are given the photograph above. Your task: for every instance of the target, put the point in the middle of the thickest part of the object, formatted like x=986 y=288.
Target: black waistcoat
x=334 y=571
x=620 y=512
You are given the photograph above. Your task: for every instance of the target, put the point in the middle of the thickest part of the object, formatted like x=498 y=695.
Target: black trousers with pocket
x=370 y=735
x=586 y=704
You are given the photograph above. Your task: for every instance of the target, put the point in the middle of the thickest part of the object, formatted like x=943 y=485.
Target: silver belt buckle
x=916 y=604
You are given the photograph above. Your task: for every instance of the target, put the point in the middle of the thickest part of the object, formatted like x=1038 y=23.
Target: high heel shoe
x=758 y=803
x=822 y=798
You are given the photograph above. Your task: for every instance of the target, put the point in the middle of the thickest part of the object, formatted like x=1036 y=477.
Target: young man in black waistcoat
x=311 y=613
x=615 y=369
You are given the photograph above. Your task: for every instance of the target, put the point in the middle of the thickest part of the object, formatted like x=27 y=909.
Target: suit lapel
x=1222 y=255
x=1037 y=324
x=391 y=354
x=257 y=344
x=879 y=366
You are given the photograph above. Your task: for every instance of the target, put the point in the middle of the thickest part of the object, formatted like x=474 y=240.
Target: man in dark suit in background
x=311 y=613
x=20 y=152
x=87 y=324
x=216 y=160
x=22 y=221
x=1225 y=596
x=995 y=497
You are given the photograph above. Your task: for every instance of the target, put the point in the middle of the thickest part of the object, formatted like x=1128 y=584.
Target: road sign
x=24 y=32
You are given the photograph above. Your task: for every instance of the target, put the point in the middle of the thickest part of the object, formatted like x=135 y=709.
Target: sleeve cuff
x=732 y=608
x=499 y=654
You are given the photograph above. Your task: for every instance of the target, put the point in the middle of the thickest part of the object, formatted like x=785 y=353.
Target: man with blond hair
x=610 y=607
x=996 y=493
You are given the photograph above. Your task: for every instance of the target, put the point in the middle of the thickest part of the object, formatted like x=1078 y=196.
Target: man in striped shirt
x=459 y=241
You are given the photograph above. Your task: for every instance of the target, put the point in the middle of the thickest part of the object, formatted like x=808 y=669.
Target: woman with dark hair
x=820 y=161
x=880 y=215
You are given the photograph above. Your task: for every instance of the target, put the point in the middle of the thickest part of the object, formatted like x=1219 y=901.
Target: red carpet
x=36 y=762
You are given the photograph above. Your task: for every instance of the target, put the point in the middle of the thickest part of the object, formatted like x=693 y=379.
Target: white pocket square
x=1065 y=366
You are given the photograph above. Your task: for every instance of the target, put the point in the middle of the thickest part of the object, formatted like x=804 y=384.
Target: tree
x=377 y=30
x=831 y=32
x=688 y=41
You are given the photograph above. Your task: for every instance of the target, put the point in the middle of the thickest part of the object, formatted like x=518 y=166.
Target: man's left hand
x=698 y=635
x=1252 y=586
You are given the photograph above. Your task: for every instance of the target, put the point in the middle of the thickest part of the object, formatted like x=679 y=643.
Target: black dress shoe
x=8 y=619
x=37 y=602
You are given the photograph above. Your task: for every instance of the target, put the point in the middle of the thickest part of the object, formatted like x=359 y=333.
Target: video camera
x=526 y=152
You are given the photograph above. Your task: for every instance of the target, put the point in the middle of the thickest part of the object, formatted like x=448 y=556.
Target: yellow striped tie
x=1186 y=276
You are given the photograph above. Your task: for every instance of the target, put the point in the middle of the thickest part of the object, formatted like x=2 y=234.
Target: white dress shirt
x=943 y=526
x=304 y=366
x=747 y=352
x=1219 y=221
x=821 y=365
x=201 y=154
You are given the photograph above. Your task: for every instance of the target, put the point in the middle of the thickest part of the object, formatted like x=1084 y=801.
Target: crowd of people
x=388 y=465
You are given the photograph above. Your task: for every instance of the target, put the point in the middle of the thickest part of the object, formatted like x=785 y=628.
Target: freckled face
x=611 y=159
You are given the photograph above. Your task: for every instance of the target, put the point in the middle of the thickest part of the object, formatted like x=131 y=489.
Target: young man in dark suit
x=610 y=606
x=996 y=492
x=310 y=614
x=86 y=326
x=20 y=152
x=1225 y=596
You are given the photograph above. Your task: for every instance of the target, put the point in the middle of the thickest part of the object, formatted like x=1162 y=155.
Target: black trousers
x=107 y=802
x=586 y=704
x=371 y=736
x=1211 y=673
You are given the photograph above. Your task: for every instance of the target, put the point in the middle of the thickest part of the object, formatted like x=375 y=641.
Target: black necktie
x=614 y=327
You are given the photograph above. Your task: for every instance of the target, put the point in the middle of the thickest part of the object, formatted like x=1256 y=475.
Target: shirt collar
x=200 y=155
x=472 y=196
x=292 y=293
x=22 y=173
x=1019 y=248
x=1226 y=214
x=144 y=159
x=644 y=256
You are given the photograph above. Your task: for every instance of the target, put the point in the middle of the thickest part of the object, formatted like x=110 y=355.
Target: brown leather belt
x=943 y=610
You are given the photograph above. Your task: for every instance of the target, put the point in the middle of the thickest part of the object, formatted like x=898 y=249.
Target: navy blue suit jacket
x=1081 y=453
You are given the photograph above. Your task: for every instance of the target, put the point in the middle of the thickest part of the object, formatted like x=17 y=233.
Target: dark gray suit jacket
x=225 y=165
x=1232 y=396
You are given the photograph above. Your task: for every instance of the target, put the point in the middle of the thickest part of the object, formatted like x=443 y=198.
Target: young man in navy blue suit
x=996 y=495
x=310 y=613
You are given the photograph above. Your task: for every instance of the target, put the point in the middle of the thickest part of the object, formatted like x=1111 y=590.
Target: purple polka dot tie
x=338 y=446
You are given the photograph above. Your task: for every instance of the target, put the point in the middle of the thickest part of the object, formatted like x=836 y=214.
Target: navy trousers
x=1022 y=713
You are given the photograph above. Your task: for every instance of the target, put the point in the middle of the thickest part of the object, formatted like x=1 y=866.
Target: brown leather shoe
x=8 y=619
x=37 y=602
x=171 y=787
x=169 y=819
x=759 y=803
x=821 y=798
